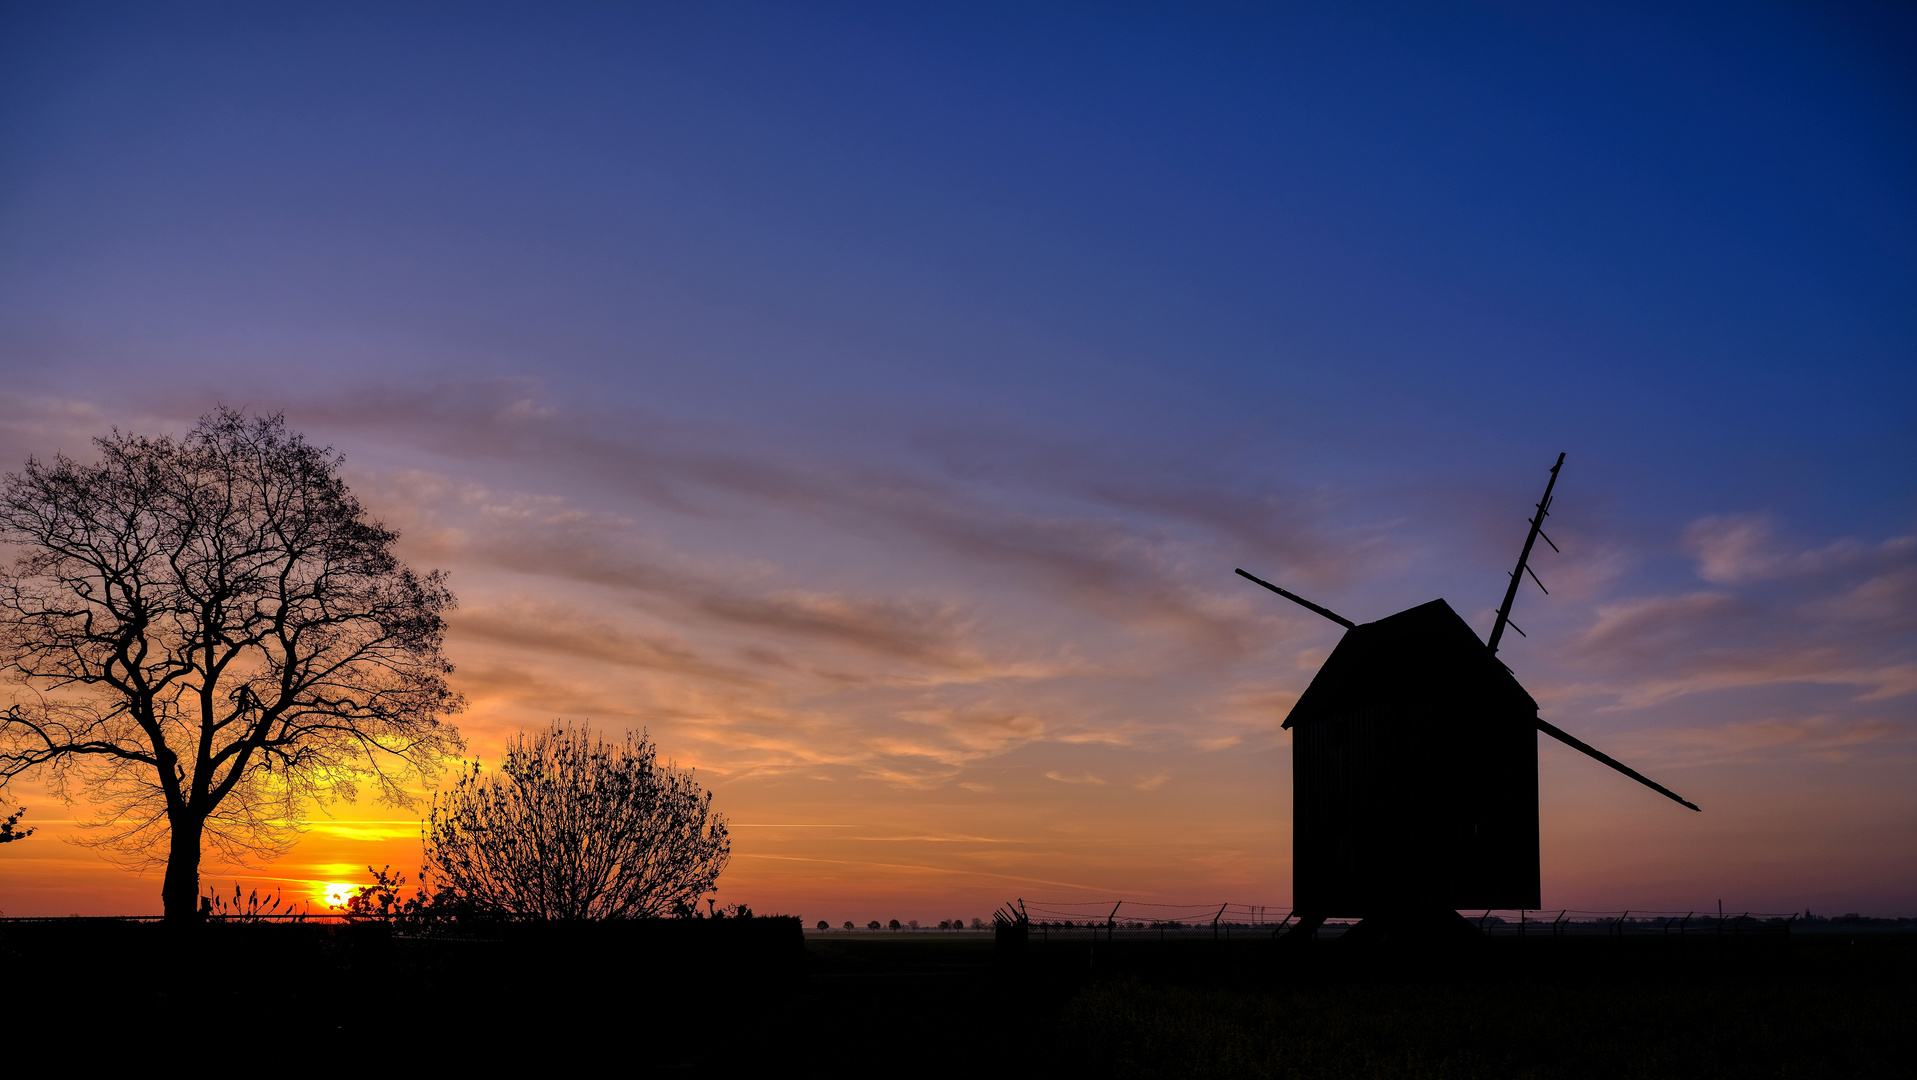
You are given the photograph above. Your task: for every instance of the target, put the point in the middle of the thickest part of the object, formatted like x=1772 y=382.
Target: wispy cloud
x=1824 y=738
x=1838 y=614
x=834 y=640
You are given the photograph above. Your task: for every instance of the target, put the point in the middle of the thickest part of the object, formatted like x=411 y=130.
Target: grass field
x=1819 y=1006
x=934 y=1004
x=1827 y=1009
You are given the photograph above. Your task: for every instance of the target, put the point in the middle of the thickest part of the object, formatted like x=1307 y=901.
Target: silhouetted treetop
x=573 y=827
x=210 y=632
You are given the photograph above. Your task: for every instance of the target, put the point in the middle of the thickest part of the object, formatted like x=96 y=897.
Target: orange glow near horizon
x=887 y=744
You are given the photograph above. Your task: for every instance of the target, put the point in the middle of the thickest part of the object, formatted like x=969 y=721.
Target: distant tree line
x=911 y=924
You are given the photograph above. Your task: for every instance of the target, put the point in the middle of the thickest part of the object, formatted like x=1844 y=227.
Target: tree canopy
x=574 y=827
x=205 y=634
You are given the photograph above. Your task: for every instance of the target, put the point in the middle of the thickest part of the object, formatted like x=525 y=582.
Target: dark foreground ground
x=940 y=1005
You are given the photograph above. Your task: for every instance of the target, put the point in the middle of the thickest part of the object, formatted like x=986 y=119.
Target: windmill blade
x=1299 y=600
x=1567 y=739
x=1524 y=557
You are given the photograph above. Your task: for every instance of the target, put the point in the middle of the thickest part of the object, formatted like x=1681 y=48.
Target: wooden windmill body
x=1415 y=774
x=1415 y=771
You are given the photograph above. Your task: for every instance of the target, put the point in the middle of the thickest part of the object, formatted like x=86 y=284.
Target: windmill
x=1415 y=770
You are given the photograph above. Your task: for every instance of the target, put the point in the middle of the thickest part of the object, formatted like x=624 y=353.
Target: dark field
x=744 y=999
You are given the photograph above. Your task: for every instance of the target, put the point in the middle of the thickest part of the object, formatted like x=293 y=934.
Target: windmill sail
x=1567 y=739
x=1504 y=620
x=1524 y=557
x=1299 y=600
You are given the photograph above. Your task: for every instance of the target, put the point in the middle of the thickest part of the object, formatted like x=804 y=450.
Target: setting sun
x=336 y=893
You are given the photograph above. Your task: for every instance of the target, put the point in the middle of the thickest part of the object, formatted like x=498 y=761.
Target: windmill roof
x=1420 y=653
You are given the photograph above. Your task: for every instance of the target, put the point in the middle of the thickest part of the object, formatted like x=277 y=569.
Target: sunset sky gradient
x=872 y=403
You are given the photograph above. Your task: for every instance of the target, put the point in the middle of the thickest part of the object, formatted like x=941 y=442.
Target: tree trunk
x=180 y=895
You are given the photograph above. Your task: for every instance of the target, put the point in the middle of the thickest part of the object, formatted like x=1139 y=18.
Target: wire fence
x=1137 y=914
x=1107 y=916
x=1111 y=916
x=1630 y=923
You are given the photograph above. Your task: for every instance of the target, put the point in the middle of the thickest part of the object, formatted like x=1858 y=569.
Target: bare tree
x=573 y=827
x=209 y=634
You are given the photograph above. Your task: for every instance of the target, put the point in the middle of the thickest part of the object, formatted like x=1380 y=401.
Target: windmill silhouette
x=1415 y=771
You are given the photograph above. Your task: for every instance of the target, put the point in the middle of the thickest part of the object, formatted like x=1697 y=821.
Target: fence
x=1105 y=917
x=1634 y=923
x=1111 y=918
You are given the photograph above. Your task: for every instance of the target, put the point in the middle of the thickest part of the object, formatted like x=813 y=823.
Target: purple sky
x=873 y=404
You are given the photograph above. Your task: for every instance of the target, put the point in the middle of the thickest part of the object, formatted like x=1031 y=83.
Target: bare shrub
x=573 y=827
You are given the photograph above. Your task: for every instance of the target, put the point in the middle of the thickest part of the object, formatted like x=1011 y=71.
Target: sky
x=871 y=403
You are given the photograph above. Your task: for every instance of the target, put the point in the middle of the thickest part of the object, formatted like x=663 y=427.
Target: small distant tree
x=873 y=925
x=823 y=925
x=8 y=832
x=575 y=828
x=958 y=924
x=895 y=924
x=848 y=924
x=978 y=924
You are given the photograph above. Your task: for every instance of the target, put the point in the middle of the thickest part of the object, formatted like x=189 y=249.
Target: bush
x=573 y=827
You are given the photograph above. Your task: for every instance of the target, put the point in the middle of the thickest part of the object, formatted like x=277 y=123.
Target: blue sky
x=824 y=326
